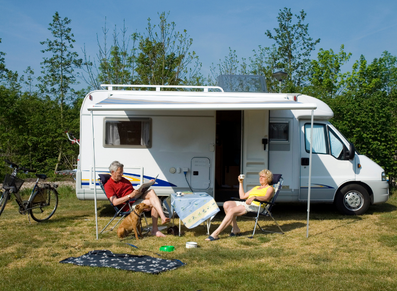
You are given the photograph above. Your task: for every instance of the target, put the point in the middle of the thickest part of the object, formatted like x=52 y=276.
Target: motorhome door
x=255 y=150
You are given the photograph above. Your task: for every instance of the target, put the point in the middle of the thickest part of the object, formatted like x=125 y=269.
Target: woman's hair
x=115 y=165
x=268 y=174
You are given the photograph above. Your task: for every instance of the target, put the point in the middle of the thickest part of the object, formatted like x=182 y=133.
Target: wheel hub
x=353 y=200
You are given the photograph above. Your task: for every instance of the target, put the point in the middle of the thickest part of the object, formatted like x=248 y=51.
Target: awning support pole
x=310 y=175
x=94 y=172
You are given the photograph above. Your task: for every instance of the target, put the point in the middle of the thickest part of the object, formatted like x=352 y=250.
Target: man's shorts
x=136 y=202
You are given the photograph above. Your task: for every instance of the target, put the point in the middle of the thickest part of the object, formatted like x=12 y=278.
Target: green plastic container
x=167 y=248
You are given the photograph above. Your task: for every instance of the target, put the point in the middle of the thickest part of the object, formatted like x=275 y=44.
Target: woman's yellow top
x=258 y=192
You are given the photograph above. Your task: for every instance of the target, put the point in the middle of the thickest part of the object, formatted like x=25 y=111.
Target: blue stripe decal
x=136 y=182
x=318 y=186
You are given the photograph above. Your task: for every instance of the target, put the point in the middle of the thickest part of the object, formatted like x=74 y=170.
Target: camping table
x=193 y=209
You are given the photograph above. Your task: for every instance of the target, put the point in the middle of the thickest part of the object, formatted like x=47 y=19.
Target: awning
x=220 y=101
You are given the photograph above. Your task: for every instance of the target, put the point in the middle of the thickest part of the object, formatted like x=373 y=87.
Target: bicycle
x=42 y=202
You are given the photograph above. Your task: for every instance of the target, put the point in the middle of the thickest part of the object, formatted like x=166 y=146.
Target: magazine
x=145 y=186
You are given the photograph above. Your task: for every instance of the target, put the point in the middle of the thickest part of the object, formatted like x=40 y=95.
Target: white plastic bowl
x=191 y=245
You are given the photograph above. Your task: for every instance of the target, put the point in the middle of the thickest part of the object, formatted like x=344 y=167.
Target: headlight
x=384 y=178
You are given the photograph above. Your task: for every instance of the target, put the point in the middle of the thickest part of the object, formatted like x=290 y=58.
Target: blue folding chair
x=103 y=178
x=266 y=207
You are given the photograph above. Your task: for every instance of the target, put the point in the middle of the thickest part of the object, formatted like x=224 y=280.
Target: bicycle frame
x=39 y=201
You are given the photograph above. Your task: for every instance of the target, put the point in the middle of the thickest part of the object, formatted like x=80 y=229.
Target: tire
x=3 y=200
x=352 y=200
x=43 y=206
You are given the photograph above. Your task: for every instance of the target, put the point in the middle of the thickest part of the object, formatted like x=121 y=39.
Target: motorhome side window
x=128 y=133
x=279 y=131
x=319 y=138
x=324 y=143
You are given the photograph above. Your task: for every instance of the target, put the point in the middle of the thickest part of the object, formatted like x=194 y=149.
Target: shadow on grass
x=354 y=219
x=67 y=218
x=381 y=208
x=269 y=227
x=106 y=210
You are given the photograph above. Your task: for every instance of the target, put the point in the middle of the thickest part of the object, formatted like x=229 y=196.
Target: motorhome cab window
x=128 y=133
x=324 y=143
x=279 y=131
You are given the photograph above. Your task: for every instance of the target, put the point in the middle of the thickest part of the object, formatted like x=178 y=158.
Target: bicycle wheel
x=3 y=200
x=43 y=204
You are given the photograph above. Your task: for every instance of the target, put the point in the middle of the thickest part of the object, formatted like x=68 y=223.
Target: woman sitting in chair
x=264 y=192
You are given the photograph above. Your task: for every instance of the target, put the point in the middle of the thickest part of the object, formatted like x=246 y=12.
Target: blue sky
x=364 y=27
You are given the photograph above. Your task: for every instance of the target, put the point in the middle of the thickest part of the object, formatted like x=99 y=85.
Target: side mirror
x=351 y=152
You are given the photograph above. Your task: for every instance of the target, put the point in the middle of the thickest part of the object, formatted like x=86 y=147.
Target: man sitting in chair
x=264 y=192
x=119 y=191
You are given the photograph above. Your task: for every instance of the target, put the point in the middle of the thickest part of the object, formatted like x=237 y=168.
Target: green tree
x=3 y=69
x=326 y=79
x=230 y=65
x=58 y=72
x=294 y=47
x=168 y=52
x=365 y=112
x=264 y=63
x=154 y=66
x=9 y=121
x=161 y=56
x=28 y=80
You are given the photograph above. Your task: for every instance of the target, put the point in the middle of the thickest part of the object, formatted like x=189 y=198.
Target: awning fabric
x=183 y=102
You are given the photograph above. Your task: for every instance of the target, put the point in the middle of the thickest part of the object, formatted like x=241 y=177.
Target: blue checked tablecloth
x=193 y=209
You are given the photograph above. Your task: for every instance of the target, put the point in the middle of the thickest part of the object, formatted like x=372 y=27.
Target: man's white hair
x=115 y=165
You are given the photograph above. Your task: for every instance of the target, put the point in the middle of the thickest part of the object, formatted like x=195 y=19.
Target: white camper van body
x=201 y=141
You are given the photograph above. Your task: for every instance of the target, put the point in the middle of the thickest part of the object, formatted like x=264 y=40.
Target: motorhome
x=201 y=138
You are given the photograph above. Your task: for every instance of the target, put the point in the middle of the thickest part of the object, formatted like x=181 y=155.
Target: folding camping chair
x=103 y=178
x=266 y=207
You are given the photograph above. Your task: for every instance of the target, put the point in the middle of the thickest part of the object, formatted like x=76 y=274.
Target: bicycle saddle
x=41 y=176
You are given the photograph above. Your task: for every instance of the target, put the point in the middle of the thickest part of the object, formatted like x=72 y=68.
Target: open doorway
x=228 y=154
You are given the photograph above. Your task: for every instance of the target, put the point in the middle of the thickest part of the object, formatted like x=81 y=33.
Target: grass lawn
x=341 y=252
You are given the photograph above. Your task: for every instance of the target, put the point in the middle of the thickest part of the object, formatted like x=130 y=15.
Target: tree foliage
x=3 y=69
x=58 y=74
x=365 y=112
x=58 y=69
x=165 y=55
x=230 y=65
x=326 y=79
x=294 y=47
x=161 y=56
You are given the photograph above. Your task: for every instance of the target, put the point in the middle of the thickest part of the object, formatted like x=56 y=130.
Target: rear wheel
x=3 y=200
x=43 y=204
x=352 y=200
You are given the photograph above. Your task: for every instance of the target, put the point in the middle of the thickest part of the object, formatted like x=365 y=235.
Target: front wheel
x=43 y=204
x=352 y=200
x=3 y=200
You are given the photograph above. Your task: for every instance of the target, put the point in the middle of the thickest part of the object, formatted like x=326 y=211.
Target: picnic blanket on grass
x=105 y=258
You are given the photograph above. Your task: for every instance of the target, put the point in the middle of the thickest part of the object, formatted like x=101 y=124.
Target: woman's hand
x=249 y=200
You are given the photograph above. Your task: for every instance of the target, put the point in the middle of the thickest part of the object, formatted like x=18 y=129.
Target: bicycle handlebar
x=13 y=165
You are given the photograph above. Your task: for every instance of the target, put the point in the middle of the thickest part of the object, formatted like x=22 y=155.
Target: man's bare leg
x=155 y=230
x=156 y=204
